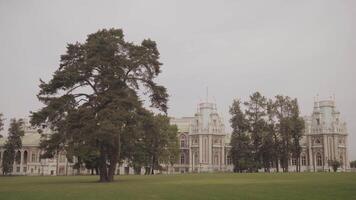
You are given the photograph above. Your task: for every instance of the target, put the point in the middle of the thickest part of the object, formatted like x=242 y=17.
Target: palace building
x=205 y=145
x=325 y=139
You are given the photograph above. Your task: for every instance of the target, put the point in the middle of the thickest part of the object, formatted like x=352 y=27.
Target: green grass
x=311 y=186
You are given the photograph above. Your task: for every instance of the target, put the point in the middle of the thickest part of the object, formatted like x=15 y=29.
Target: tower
x=327 y=137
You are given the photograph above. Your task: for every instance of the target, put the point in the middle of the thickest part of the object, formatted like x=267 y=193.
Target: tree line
x=266 y=133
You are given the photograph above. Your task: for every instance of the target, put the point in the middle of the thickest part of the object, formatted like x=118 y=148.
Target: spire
x=207 y=94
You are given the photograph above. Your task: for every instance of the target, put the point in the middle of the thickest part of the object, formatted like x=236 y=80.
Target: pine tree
x=256 y=116
x=12 y=145
x=93 y=99
x=241 y=149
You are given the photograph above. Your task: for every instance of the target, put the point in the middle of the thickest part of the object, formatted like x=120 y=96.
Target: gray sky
x=296 y=48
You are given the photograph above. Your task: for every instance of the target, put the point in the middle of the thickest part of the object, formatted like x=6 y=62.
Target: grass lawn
x=311 y=186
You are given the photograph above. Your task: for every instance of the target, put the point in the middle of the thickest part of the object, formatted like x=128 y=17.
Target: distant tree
x=335 y=164
x=283 y=110
x=91 y=162
x=1 y=124
x=153 y=142
x=268 y=131
x=353 y=164
x=92 y=100
x=297 y=130
x=255 y=112
x=274 y=133
x=241 y=148
x=12 y=145
x=162 y=142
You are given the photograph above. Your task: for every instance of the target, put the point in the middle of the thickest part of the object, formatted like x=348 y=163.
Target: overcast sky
x=296 y=48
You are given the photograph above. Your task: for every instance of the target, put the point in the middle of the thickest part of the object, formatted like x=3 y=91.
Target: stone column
x=335 y=157
x=22 y=161
x=200 y=151
x=325 y=159
x=310 y=157
x=223 y=157
x=347 y=163
x=210 y=150
x=190 y=154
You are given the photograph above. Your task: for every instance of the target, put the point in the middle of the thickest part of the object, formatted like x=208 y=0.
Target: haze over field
x=299 y=48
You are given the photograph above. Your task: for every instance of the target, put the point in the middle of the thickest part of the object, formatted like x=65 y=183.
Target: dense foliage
x=266 y=133
x=335 y=164
x=12 y=145
x=353 y=164
x=92 y=102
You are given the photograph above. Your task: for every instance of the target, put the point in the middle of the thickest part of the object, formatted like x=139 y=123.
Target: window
x=317 y=141
x=25 y=157
x=318 y=160
x=183 y=140
x=318 y=121
x=228 y=160
x=216 y=160
x=196 y=158
x=294 y=161
x=33 y=157
x=304 y=161
x=182 y=143
x=182 y=158
x=18 y=158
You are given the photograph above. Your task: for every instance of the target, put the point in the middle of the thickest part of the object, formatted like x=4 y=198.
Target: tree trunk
x=277 y=163
x=103 y=166
x=112 y=166
x=153 y=165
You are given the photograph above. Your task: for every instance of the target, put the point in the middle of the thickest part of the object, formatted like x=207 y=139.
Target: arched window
x=304 y=160
x=342 y=160
x=216 y=159
x=18 y=157
x=182 y=158
x=319 y=161
x=25 y=157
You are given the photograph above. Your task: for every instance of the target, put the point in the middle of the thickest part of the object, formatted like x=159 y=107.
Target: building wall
x=203 y=141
